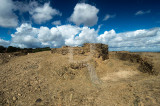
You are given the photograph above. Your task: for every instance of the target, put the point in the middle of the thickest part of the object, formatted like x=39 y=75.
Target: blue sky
x=132 y=25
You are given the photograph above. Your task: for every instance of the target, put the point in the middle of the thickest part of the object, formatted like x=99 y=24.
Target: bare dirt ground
x=45 y=79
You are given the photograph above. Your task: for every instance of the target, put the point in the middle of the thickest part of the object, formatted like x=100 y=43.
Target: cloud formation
x=25 y=7
x=39 y=13
x=141 y=12
x=7 y=16
x=84 y=14
x=108 y=16
x=43 y=13
x=56 y=23
x=27 y=36
x=4 y=42
x=132 y=41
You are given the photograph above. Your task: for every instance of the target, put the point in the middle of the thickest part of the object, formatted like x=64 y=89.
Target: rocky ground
x=45 y=79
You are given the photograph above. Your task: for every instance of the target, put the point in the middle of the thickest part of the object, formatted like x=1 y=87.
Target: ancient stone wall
x=98 y=50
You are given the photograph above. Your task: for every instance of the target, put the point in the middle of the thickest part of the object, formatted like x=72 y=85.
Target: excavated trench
x=145 y=65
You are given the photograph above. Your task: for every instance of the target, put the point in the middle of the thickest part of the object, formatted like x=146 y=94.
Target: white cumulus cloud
x=43 y=13
x=84 y=14
x=39 y=13
x=28 y=36
x=4 y=43
x=135 y=40
x=7 y=16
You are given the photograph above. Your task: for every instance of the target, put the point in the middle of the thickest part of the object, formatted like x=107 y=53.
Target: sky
x=124 y=25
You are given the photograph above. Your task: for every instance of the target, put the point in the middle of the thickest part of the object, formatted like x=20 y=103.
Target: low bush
x=2 y=49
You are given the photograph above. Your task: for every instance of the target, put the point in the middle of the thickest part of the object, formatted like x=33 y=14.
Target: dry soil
x=45 y=79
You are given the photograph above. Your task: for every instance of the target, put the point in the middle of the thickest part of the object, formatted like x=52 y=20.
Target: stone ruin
x=98 y=50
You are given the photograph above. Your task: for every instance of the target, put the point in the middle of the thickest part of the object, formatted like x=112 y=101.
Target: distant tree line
x=11 y=49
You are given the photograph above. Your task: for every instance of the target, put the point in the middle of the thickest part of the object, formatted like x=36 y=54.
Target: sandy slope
x=43 y=79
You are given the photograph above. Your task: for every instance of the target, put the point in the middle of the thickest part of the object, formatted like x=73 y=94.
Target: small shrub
x=2 y=49
x=12 y=49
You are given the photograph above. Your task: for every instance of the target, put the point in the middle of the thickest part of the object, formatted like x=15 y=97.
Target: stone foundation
x=98 y=50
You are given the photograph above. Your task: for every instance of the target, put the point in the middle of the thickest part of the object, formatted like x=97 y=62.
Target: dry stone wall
x=98 y=50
